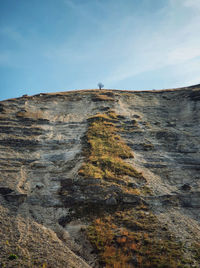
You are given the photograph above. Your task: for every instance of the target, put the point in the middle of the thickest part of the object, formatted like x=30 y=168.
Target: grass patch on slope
x=134 y=238
x=106 y=151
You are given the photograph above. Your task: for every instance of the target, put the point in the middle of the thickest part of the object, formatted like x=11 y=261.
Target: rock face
x=47 y=205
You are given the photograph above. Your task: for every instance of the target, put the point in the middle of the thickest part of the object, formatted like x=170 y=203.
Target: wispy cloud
x=174 y=42
x=132 y=45
x=83 y=9
x=191 y=3
x=113 y=41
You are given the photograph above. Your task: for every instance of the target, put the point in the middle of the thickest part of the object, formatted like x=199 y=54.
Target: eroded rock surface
x=44 y=200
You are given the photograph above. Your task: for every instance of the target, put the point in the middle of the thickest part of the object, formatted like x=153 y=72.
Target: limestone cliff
x=100 y=179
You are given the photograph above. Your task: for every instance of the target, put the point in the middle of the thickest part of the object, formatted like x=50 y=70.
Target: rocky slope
x=101 y=179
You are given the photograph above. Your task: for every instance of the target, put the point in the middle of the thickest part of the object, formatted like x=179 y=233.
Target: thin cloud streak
x=122 y=45
x=168 y=47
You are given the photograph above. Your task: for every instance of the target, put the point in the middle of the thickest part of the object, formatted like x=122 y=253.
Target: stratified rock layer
x=42 y=141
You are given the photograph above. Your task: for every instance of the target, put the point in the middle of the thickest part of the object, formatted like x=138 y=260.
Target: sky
x=60 y=45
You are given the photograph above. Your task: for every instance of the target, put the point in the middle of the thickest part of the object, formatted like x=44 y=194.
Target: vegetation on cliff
x=133 y=237
x=105 y=151
x=125 y=236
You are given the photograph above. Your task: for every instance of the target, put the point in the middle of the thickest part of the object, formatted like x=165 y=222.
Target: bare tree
x=100 y=85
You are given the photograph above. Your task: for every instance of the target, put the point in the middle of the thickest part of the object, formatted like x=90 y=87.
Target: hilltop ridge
x=195 y=87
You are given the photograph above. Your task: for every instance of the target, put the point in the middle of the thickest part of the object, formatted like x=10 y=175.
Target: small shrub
x=12 y=257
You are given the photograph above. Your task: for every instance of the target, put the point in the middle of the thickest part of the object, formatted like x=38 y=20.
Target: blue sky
x=58 y=45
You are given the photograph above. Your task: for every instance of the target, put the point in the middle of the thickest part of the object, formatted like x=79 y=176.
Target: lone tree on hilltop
x=100 y=85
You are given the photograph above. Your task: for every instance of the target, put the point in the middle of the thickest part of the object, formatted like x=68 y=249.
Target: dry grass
x=196 y=250
x=99 y=97
x=106 y=150
x=134 y=238
x=31 y=114
x=103 y=96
